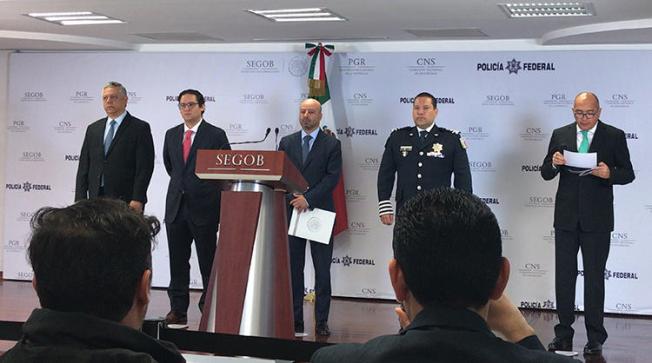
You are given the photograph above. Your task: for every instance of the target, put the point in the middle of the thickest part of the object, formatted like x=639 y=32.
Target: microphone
x=276 y=130
x=248 y=142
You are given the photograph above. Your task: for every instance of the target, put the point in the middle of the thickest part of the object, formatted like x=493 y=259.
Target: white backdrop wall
x=506 y=104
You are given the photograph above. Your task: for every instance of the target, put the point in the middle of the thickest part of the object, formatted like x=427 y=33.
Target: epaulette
x=401 y=129
x=458 y=134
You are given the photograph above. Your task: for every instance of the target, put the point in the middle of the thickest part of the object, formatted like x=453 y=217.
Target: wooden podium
x=250 y=292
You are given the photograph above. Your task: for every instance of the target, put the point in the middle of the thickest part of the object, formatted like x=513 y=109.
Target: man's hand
x=558 y=159
x=602 y=171
x=136 y=205
x=387 y=219
x=299 y=202
x=403 y=318
x=506 y=319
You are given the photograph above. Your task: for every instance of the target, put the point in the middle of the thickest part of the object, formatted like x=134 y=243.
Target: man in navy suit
x=192 y=206
x=319 y=158
x=117 y=156
x=584 y=216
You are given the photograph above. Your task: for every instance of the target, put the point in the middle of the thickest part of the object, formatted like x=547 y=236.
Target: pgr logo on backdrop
x=477 y=133
x=514 y=66
x=540 y=201
x=33 y=96
x=354 y=195
x=235 y=128
x=549 y=237
x=619 y=100
x=260 y=65
x=558 y=99
x=497 y=100
x=31 y=156
x=81 y=96
x=483 y=166
x=65 y=127
x=17 y=126
x=425 y=66
x=369 y=163
x=356 y=66
x=14 y=245
x=134 y=98
x=535 y=134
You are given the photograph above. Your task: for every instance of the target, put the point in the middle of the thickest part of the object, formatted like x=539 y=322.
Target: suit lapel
x=597 y=138
x=176 y=149
x=570 y=138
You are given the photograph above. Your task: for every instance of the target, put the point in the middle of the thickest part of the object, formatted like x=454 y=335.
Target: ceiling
x=192 y=22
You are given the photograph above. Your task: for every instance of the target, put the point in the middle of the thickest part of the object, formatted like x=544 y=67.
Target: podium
x=250 y=292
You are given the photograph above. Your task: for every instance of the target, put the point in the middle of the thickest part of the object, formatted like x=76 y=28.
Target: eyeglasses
x=582 y=114
x=188 y=106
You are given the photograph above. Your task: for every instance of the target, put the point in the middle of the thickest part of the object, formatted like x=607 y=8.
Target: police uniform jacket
x=420 y=165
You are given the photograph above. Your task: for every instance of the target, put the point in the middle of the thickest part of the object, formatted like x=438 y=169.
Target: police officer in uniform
x=423 y=156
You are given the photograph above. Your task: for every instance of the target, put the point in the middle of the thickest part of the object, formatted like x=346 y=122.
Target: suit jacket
x=202 y=196
x=127 y=167
x=587 y=201
x=322 y=167
x=440 y=334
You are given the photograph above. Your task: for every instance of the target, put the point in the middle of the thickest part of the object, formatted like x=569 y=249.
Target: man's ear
x=144 y=286
x=501 y=281
x=397 y=278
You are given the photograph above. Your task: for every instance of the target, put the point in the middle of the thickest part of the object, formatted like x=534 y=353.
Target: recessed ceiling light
x=552 y=9
x=301 y=14
x=75 y=18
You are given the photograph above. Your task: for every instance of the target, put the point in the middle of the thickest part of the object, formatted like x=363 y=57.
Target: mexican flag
x=318 y=89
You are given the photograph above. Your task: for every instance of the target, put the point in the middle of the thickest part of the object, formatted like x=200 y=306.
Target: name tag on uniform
x=405 y=150
x=436 y=152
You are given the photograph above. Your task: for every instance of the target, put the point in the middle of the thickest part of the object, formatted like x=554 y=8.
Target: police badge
x=437 y=149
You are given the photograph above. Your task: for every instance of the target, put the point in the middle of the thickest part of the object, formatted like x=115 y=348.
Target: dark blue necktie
x=305 y=147
x=109 y=137
x=422 y=136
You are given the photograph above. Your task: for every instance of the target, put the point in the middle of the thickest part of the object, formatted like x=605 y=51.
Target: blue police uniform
x=421 y=164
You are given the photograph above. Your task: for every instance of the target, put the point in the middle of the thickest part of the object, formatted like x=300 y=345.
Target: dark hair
x=448 y=244
x=200 y=97
x=89 y=257
x=426 y=94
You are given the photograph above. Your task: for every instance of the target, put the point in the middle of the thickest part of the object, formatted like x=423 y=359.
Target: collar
x=428 y=129
x=194 y=128
x=118 y=120
x=450 y=318
x=591 y=130
x=313 y=134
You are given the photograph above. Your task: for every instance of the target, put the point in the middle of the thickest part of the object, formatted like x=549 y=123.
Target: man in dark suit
x=117 y=156
x=319 y=158
x=192 y=205
x=449 y=275
x=423 y=157
x=584 y=216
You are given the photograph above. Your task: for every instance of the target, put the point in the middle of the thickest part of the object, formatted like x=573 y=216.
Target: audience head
x=93 y=257
x=447 y=244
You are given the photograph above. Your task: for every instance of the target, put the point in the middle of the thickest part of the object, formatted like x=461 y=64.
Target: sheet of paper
x=581 y=160
x=315 y=225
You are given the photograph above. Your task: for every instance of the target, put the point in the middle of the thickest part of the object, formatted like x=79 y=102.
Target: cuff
x=385 y=207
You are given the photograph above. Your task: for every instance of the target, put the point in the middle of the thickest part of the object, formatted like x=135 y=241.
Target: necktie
x=584 y=145
x=422 y=136
x=187 y=143
x=109 y=137
x=305 y=147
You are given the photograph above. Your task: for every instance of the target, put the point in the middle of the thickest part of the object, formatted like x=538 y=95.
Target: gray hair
x=118 y=85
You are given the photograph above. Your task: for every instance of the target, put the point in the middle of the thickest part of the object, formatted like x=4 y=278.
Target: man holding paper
x=584 y=215
x=319 y=158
